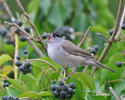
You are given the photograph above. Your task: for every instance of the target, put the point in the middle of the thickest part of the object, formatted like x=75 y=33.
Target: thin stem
x=113 y=92
x=112 y=39
x=29 y=20
x=7 y=9
x=15 y=55
x=85 y=36
x=121 y=23
x=44 y=62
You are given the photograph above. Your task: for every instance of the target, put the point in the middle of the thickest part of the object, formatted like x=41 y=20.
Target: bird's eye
x=44 y=36
x=56 y=35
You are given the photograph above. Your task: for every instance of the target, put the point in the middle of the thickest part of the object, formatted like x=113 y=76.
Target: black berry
x=22 y=38
x=96 y=47
x=118 y=64
x=5 y=81
x=10 y=98
x=62 y=95
x=4 y=97
x=44 y=36
x=27 y=29
x=123 y=26
x=54 y=81
x=61 y=83
x=7 y=41
x=3 y=32
x=56 y=94
x=53 y=88
x=5 y=85
x=18 y=57
x=57 y=88
x=65 y=88
x=93 y=51
x=71 y=91
x=110 y=32
x=19 y=23
x=21 y=68
x=72 y=85
x=25 y=52
x=16 y=98
x=27 y=64
x=29 y=69
x=18 y=63
x=17 y=31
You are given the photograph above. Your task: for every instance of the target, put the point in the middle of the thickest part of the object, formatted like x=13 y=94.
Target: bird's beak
x=46 y=37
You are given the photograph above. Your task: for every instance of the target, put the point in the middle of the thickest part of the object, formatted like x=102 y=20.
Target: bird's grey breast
x=57 y=54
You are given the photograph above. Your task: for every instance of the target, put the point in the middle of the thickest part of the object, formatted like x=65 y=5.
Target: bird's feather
x=70 y=48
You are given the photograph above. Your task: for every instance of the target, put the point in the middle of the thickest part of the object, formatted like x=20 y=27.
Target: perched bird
x=67 y=54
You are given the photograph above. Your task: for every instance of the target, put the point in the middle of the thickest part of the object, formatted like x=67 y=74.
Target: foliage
x=47 y=16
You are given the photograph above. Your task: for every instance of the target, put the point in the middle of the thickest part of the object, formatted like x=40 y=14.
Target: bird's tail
x=98 y=64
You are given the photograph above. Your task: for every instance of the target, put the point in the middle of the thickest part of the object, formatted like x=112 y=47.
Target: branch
x=28 y=38
x=113 y=92
x=44 y=62
x=7 y=9
x=29 y=20
x=112 y=39
x=23 y=31
x=121 y=23
x=104 y=37
x=15 y=55
x=85 y=36
x=36 y=48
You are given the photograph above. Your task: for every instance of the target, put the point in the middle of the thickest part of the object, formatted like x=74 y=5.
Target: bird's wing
x=70 y=48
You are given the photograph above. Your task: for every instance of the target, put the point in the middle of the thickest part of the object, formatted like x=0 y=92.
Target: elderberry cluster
x=25 y=67
x=6 y=84
x=10 y=98
x=62 y=90
x=18 y=32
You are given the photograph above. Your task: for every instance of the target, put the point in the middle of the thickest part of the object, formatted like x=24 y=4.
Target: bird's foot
x=69 y=76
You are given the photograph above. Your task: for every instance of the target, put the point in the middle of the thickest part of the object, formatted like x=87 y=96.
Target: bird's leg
x=64 y=73
x=73 y=71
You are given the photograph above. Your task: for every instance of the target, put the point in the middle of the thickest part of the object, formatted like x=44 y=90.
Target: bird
x=67 y=54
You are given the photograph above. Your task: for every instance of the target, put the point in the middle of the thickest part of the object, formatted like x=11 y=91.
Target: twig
x=112 y=39
x=104 y=37
x=23 y=31
x=113 y=92
x=15 y=55
x=36 y=48
x=85 y=69
x=121 y=23
x=114 y=81
x=7 y=9
x=85 y=36
x=29 y=20
x=28 y=38
x=44 y=62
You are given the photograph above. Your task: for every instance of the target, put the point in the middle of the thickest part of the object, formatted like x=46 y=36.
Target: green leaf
x=88 y=80
x=4 y=58
x=17 y=84
x=36 y=94
x=45 y=5
x=28 y=79
x=96 y=96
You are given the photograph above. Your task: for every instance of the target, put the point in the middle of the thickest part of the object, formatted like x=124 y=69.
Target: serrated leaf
x=17 y=84
x=7 y=69
x=36 y=94
x=4 y=58
x=88 y=80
